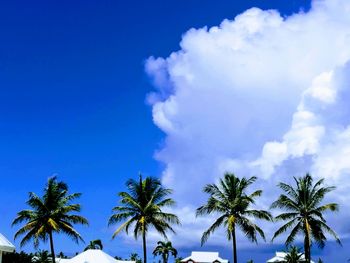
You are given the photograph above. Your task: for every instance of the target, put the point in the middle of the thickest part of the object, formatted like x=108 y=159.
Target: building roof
x=62 y=260
x=280 y=258
x=93 y=256
x=58 y=260
x=5 y=245
x=205 y=257
x=125 y=261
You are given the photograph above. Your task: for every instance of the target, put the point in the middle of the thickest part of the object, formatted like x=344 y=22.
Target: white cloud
x=258 y=95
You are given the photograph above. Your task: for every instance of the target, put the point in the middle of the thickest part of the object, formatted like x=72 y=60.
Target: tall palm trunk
x=165 y=259
x=307 y=248
x=234 y=244
x=52 y=249
x=144 y=246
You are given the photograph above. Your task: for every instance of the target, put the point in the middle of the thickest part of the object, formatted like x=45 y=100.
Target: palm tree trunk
x=144 y=246
x=234 y=245
x=52 y=249
x=307 y=249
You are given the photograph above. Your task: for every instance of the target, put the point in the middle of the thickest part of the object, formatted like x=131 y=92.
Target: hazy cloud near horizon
x=259 y=95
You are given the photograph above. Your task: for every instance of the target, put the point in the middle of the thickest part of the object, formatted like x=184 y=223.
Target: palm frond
x=212 y=228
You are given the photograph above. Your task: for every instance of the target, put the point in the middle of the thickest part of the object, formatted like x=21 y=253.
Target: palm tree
x=49 y=214
x=42 y=256
x=293 y=255
x=305 y=212
x=230 y=200
x=141 y=207
x=94 y=244
x=62 y=255
x=163 y=249
x=135 y=257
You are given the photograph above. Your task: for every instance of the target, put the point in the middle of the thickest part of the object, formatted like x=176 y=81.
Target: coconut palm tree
x=42 y=256
x=94 y=244
x=230 y=200
x=135 y=257
x=163 y=249
x=62 y=255
x=293 y=255
x=305 y=212
x=49 y=214
x=141 y=208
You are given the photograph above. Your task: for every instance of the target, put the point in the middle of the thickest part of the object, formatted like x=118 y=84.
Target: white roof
x=5 y=245
x=280 y=258
x=205 y=257
x=93 y=256
x=58 y=260
x=125 y=261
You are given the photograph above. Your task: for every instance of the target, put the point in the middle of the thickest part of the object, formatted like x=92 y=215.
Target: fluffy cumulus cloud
x=260 y=95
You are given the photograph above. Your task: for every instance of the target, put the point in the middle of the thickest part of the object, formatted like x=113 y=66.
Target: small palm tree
x=50 y=214
x=135 y=257
x=230 y=200
x=293 y=255
x=305 y=212
x=42 y=256
x=141 y=207
x=62 y=255
x=163 y=249
x=94 y=244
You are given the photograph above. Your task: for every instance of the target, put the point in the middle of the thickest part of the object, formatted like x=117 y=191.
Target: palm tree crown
x=50 y=214
x=164 y=248
x=135 y=257
x=94 y=244
x=141 y=208
x=230 y=200
x=42 y=256
x=293 y=255
x=305 y=212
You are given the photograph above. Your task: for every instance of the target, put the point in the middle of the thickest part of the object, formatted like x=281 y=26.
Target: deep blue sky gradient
x=72 y=98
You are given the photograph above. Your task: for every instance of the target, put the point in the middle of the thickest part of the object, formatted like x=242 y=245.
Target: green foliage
x=42 y=256
x=94 y=244
x=229 y=199
x=305 y=210
x=21 y=257
x=141 y=208
x=51 y=213
x=250 y=261
x=164 y=249
x=62 y=255
x=135 y=257
x=293 y=255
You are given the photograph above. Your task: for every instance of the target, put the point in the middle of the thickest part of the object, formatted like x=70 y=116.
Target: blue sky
x=73 y=100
